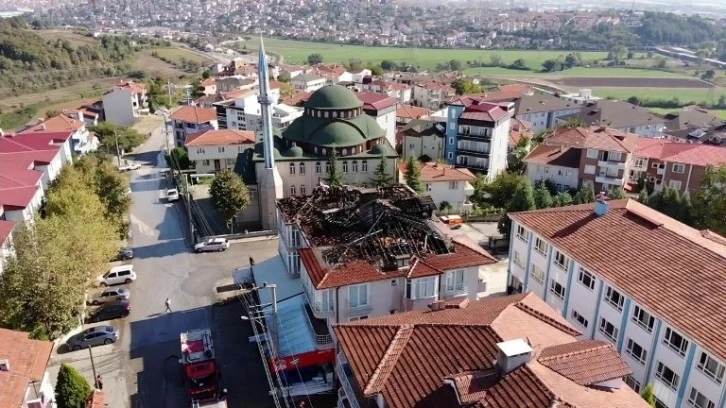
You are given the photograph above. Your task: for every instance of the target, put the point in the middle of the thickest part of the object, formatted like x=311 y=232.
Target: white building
x=432 y=95
x=124 y=103
x=423 y=139
x=619 y=115
x=559 y=164
x=581 y=97
x=445 y=184
x=624 y=273
x=307 y=82
x=215 y=150
x=383 y=109
x=82 y=141
x=189 y=120
x=244 y=112
x=542 y=111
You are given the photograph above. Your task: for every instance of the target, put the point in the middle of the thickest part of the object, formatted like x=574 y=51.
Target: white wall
x=441 y=191
x=118 y=108
x=498 y=148
x=27 y=213
x=204 y=157
x=541 y=120
x=387 y=121
x=417 y=146
x=566 y=176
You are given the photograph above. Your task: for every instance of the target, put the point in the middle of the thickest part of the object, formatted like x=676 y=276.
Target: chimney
x=512 y=355
x=42 y=126
x=601 y=204
x=5 y=365
x=437 y=305
x=2 y=134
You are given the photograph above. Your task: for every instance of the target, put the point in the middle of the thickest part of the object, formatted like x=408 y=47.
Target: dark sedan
x=125 y=254
x=115 y=310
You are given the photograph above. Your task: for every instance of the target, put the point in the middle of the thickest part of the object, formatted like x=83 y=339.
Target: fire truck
x=200 y=370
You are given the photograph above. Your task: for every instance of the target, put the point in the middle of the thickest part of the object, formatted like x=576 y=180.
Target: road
x=141 y=369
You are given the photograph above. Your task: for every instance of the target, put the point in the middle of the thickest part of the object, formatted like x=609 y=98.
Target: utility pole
x=166 y=133
x=169 y=85
x=275 y=320
x=118 y=151
x=189 y=206
x=93 y=367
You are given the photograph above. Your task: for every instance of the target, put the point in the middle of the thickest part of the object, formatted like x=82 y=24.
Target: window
x=643 y=319
x=639 y=162
x=292 y=169
x=364 y=166
x=518 y=259
x=632 y=383
x=674 y=184
x=615 y=156
x=421 y=288
x=450 y=156
x=579 y=319
x=357 y=296
x=592 y=154
x=230 y=162
x=541 y=246
x=667 y=375
x=615 y=298
x=394 y=282
x=675 y=341
x=303 y=189
x=608 y=330
x=654 y=165
x=679 y=168
x=453 y=185
x=711 y=367
x=637 y=352
x=451 y=140
x=538 y=274
x=455 y=281
x=344 y=152
x=292 y=190
x=318 y=168
x=200 y=150
x=327 y=168
x=428 y=186
x=302 y=169
x=220 y=149
x=205 y=162
x=355 y=166
x=660 y=404
x=562 y=261
x=557 y=289
x=586 y=279
x=293 y=263
x=241 y=149
x=522 y=233
x=698 y=400
x=356 y=318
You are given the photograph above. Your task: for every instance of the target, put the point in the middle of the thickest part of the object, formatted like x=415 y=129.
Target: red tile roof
x=211 y=81
x=555 y=155
x=376 y=101
x=586 y=362
x=520 y=128
x=433 y=172
x=61 y=122
x=404 y=111
x=41 y=140
x=486 y=111
x=410 y=358
x=594 y=137
x=28 y=361
x=239 y=93
x=222 y=137
x=17 y=198
x=687 y=153
x=194 y=114
x=96 y=400
x=6 y=228
x=632 y=247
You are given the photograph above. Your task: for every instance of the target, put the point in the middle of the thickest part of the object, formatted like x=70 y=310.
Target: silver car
x=94 y=336
x=111 y=295
x=212 y=245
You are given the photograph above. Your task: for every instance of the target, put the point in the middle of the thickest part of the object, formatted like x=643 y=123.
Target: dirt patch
x=633 y=83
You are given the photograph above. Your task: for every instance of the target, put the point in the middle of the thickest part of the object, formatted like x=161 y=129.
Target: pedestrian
x=99 y=382
x=252 y=261
x=168 y=305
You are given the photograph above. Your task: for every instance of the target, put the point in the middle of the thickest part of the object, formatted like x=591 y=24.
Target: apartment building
x=24 y=379
x=432 y=94
x=626 y=274
x=477 y=135
x=543 y=111
x=423 y=140
x=73 y=122
x=214 y=150
x=125 y=102
x=406 y=113
x=512 y=351
x=572 y=157
x=445 y=183
x=679 y=166
x=242 y=111
x=383 y=109
x=619 y=115
x=189 y=120
x=308 y=82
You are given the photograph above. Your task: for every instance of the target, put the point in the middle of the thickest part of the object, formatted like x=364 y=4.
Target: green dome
x=325 y=132
x=333 y=97
x=382 y=149
x=295 y=151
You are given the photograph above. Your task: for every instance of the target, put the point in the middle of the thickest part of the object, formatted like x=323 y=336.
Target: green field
x=296 y=52
x=578 y=72
x=686 y=95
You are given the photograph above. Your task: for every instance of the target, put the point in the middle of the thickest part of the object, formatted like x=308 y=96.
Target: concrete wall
x=441 y=191
x=417 y=146
x=118 y=107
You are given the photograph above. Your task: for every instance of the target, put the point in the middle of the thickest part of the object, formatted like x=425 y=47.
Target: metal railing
x=345 y=382
x=320 y=339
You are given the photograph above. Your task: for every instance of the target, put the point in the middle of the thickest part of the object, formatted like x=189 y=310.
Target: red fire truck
x=201 y=373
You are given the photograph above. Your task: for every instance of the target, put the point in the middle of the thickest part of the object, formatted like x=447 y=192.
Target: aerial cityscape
x=356 y=204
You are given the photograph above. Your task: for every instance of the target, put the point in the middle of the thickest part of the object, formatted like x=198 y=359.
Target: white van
x=118 y=275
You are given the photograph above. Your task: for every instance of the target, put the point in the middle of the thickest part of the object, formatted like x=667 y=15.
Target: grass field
x=684 y=94
x=73 y=38
x=176 y=54
x=578 y=72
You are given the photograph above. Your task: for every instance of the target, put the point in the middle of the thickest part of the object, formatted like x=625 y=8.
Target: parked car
x=109 y=311
x=453 y=221
x=172 y=195
x=212 y=245
x=125 y=254
x=129 y=167
x=110 y=295
x=118 y=275
x=93 y=336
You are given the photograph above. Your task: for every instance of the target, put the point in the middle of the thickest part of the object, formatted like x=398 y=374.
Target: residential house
x=582 y=97
x=695 y=125
x=92 y=112
x=82 y=141
x=292 y=71
x=594 y=156
x=502 y=93
x=680 y=166
x=542 y=111
x=512 y=351
x=308 y=82
x=235 y=83
x=209 y=85
x=477 y=135
x=520 y=129
x=422 y=140
x=333 y=73
x=241 y=110
x=188 y=120
x=432 y=94
x=445 y=184
x=383 y=109
x=401 y=92
x=628 y=275
x=619 y=115
x=24 y=379
x=125 y=102
x=407 y=113
x=215 y=150
x=357 y=75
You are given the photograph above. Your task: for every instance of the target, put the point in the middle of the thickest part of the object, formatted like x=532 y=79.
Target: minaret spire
x=265 y=105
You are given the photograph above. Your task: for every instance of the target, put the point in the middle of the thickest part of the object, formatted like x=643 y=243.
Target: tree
x=315 y=58
x=413 y=175
x=463 y=87
x=552 y=65
x=376 y=70
x=455 y=65
x=381 y=178
x=522 y=200
x=206 y=74
x=562 y=199
x=542 y=197
x=709 y=75
x=584 y=196
x=336 y=177
x=71 y=390
x=573 y=60
x=519 y=64
x=496 y=60
x=229 y=194
x=709 y=201
x=388 y=65
x=648 y=395
x=445 y=207
x=617 y=53
x=643 y=196
x=178 y=159
x=617 y=193
x=501 y=190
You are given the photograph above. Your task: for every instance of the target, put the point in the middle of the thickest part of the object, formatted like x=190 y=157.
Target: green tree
x=315 y=58
x=709 y=201
x=562 y=199
x=388 y=65
x=229 y=194
x=552 y=65
x=455 y=65
x=584 y=196
x=573 y=60
x=335 y=178
x=206 y=74
x=413 y=175
x=445 y=207
x=381 y=177
x=496 y=60
x=542 y=197
x=71 y=390
x=522 y=200
x=178 y=159
x=648 y=395
x=376 y=70
x=515 y=161
x=501 y=190
x=617 y=193
x=643 y=196
x=463 y=87
x=520 y=64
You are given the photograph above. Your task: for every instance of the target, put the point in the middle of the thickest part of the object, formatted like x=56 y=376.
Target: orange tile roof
x=194 y=114
x=28 y=360
x=61 y=122
x=586 y=362
x=555 y=155
x=432 y=172
x=594 y=137
x=222 y=137
x=520 y=128
x=209 y=82
x=687 y=153
x=641 y=252
x=410 y=357
x=404 y=111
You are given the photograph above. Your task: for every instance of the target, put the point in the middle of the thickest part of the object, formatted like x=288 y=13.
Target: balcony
x=475 y=136
x=612 y=164
x=609 y=180
x=320 y=329
x=343 y=401
x=469 y=150
x=345 y=375
x=319 y=311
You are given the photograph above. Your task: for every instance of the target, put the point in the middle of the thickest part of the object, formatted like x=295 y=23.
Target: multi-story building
x=24 y=379
x=445 y=184
x=406 y=113
x=628 y=275
x=477 y=135
x=215 y=150
x=308 y=82
x=513 y=351
x=572 y=157
x=543 y=111
x=125 y=102
x=189 y=120
x=383 y=109
x=619 y=115
x=242 y=111
x=432 y=94
x=695 y=125
x=423 y=140
x=82 y=141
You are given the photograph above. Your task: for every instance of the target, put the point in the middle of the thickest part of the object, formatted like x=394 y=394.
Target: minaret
x=270 y=183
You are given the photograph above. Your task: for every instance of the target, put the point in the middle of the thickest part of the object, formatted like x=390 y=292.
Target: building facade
x=215 y=150
x=449 y=187
x=423 y=140
x=308 y=82
x=123 y=104
x=189 y=120
x=543 y=111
